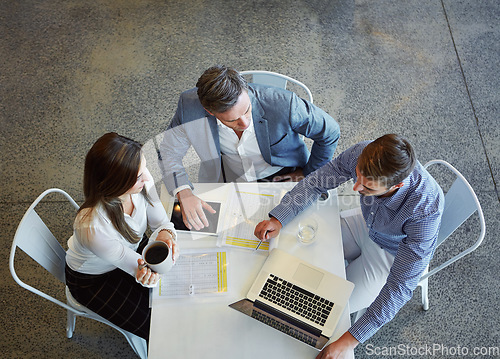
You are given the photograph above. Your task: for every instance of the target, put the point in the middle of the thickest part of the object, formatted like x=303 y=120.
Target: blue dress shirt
x=405 y=224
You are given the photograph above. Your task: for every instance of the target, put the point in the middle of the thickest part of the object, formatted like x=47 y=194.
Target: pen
x=258 y=245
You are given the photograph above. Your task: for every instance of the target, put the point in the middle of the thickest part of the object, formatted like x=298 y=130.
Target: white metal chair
x=460 y=203
x=36 y=240
x=275 y=79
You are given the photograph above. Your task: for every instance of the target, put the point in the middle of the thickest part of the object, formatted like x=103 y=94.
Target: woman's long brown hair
x=111 y=169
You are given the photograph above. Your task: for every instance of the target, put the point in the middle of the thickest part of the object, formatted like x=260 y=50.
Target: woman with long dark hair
x=104 y=268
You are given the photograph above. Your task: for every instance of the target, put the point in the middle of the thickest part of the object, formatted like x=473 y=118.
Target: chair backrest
x=35 y=239
x=460 y=203
x=275 y=79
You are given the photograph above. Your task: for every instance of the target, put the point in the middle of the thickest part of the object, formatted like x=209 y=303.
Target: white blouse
x=96 y=247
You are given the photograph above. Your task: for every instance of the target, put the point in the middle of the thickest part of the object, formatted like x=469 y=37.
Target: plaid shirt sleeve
x=331 y=175
x=413 y=256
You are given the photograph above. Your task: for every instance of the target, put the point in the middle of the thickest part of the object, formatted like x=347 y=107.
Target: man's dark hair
x=388 y=160
x=219 y=88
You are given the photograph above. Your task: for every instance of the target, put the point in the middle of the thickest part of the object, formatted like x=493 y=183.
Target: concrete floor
x=73 y=70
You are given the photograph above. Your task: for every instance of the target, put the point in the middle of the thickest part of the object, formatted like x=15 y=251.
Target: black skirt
x=115 y=296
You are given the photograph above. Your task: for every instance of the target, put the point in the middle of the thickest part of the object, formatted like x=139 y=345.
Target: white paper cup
x=158 y=257
x=307 y=231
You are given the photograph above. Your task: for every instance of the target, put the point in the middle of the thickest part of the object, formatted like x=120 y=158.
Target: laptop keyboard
x=297 y=334
x=296 y=299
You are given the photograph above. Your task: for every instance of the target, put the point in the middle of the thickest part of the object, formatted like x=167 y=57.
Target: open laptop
x=297 y=298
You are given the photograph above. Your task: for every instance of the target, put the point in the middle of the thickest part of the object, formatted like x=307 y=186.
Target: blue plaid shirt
x=405 y=224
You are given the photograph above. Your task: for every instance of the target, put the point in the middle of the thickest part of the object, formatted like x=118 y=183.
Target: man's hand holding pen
x=268 y=229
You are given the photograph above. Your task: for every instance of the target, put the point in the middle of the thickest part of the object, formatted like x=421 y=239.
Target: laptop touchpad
x=307 y=275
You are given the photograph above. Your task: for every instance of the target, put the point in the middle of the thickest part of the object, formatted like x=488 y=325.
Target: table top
x=205 y=327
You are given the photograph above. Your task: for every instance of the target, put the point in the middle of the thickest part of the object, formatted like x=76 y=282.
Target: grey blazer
x=279 y=118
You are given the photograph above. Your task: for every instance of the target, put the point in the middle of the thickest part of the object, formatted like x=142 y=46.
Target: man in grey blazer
x=241 y=132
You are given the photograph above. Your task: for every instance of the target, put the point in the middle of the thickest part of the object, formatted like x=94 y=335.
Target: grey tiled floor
x=72 y=70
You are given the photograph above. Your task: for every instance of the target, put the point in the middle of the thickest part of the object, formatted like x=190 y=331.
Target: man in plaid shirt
x=388 y=241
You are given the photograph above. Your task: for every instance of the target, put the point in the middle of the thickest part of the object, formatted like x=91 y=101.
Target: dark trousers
x=282 y=172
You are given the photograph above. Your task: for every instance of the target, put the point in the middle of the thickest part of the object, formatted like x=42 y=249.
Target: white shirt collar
x=221 y=125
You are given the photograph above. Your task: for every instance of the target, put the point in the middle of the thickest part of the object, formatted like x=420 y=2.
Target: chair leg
x=70 y=327
x=425 y=293
x=138 y=344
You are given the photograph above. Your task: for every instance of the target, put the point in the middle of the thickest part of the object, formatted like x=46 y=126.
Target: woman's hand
x=166 y=237
x=145 y=275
